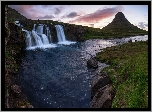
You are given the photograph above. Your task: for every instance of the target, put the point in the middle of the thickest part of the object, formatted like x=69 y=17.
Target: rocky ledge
x=102 y=91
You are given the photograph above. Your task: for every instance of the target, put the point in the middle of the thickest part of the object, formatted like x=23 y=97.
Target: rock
x=130 y=41
x=30 y=106
x=99 y=81
x=103 y=97
x=23 y=107
x=92 y=63
x=16 y=90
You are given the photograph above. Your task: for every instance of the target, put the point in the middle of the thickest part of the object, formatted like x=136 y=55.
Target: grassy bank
x=99 y=34
x=128 y=71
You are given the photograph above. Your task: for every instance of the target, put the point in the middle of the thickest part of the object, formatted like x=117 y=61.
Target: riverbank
x=14 y=46
x=128 y=72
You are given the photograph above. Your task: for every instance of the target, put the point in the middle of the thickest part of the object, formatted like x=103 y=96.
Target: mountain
x=120 y=25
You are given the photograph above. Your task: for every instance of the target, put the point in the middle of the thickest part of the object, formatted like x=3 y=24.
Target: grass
x=107 y=35
x=128 y=71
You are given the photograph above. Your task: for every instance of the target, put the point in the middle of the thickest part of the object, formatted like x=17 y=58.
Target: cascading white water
x=61 y=36
x=28 y=38
x=44 y=39
x=48 y=34
x=60 y=33
x=38 y=38
x=40 y=29
x=34 y=27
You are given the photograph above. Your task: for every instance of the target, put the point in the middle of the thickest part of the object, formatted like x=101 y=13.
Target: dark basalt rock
x=99 y=81
x=16 y=90
x=103 y=97
x=92 y=63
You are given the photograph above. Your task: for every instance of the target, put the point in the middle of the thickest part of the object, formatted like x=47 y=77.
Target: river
x=58 y=77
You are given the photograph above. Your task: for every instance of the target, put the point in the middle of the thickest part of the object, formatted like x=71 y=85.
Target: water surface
x=58 y=77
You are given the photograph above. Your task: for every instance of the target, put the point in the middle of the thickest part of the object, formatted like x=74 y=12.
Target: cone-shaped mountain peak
x=119 y=18
x=120 y=24
x=119 y=15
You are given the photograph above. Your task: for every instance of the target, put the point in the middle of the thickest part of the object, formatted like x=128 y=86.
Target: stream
x=58 y=77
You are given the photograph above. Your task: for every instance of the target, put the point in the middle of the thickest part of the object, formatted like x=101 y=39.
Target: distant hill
x=121 y=26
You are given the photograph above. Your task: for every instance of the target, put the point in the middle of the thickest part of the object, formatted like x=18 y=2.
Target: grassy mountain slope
x=120 y=26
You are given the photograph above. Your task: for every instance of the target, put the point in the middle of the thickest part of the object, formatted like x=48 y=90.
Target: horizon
x=96 y=16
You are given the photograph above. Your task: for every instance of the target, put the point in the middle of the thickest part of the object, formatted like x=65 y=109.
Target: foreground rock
x=102 y=92
x=92 y=63
x=103 y=97
x=16 y=90
x=99 y=81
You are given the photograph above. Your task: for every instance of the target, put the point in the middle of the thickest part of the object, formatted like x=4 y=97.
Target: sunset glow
x=96 y=16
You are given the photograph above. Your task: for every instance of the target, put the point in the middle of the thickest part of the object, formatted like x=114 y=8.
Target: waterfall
x=48 y=34
x=40 y=29
x=60 y=33
x=61 y=36
x=34 y=27
x=37 y=38
x=42 y=38
x=28 y=38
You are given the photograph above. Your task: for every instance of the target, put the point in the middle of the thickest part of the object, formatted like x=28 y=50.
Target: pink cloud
x=46 y=17
x=98 y=15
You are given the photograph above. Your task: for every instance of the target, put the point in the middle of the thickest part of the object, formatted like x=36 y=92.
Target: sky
x=97 y=16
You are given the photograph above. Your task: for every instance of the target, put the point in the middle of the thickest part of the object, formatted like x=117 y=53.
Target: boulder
x=16 y=90
x=92 y=63
x=99 y=81
x=103 y=97
x=29 y=106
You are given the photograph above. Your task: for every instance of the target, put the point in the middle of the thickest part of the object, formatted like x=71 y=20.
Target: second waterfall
x=61 y=35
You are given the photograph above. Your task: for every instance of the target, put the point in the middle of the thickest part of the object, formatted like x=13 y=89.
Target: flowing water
x=56 y=75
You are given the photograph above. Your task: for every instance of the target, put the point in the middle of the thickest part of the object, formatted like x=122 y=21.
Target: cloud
x=45 y=17
x=57 y=11
x=143 y=25
x=98 y=15
x=72 y=15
